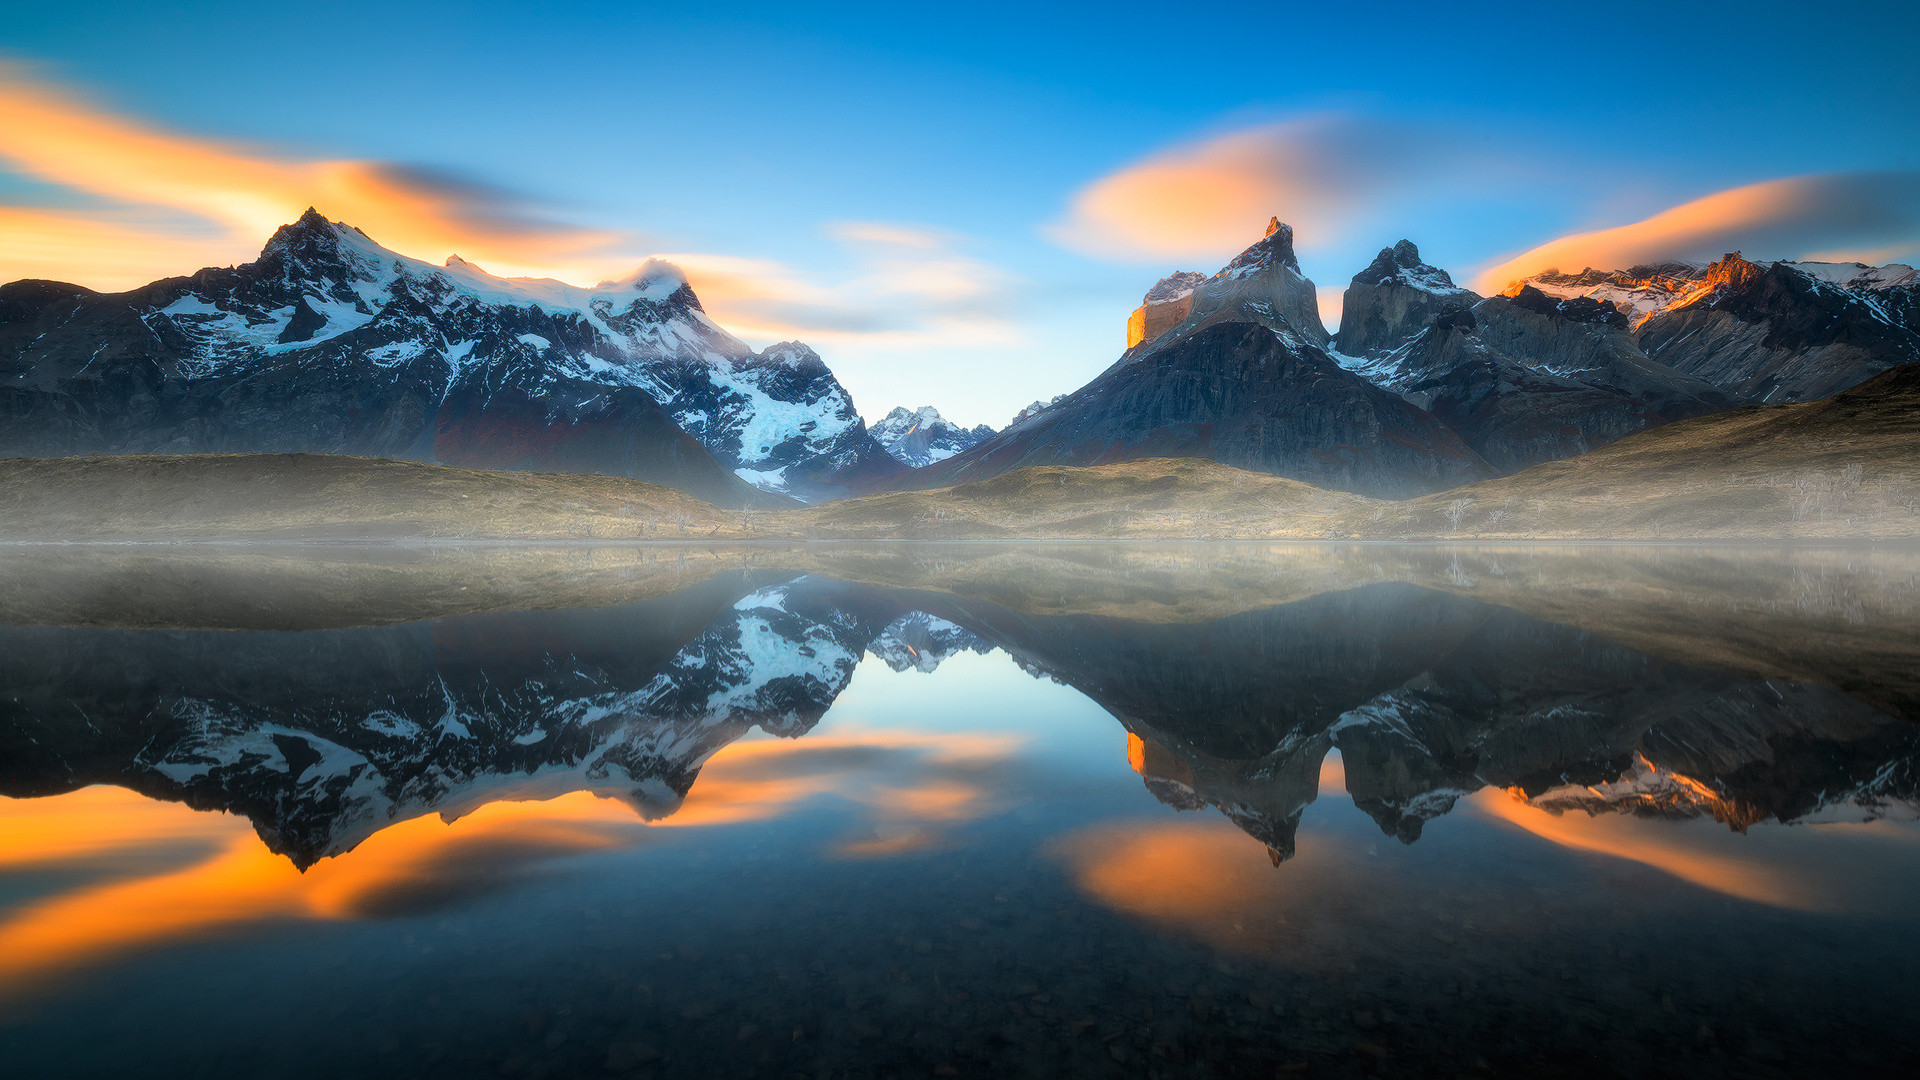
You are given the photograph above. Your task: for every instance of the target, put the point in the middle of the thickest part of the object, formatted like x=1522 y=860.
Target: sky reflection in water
x=1363 y=829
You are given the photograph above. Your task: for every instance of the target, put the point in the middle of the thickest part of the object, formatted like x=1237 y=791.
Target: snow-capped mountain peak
x=420 y=360
x=923 y=436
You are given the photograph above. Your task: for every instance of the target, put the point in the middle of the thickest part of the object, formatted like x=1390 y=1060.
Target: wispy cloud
x=145 y=179
x=1322 y=173
x=907 y=287
x=1866 y=216
x=151 y=203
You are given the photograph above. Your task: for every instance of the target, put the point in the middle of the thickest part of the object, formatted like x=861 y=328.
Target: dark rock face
x=1579 y=309
x=1245 y=381
x=1243 y=394
x=1780 y=334
x=1522 y=379
x=1266 y=275
x=1522 y=386
x=329 y=343
x=1395 y=298
x=1776 y=332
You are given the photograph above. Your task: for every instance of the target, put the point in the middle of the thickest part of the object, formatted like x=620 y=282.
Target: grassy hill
x=1842 y=468
x=1158 y=498
x=1845 y=468
x=325 y=497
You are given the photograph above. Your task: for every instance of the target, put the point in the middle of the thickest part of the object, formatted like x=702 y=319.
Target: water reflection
x=1645 y=708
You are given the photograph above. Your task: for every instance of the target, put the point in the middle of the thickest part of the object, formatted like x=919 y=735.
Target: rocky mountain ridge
x=1244 y=378
x=330 y=343
x=923 y=436
x=1761 y=331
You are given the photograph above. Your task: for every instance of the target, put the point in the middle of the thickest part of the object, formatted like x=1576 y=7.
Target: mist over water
x=891 y=810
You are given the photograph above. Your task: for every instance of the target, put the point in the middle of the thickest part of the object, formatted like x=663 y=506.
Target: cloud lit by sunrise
x=1841 y=217
x=1206 y=200
x=909 y=287
x=166 y=204
x=235 y=196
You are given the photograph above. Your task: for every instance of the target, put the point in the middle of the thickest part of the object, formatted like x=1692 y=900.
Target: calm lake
x=968 y=810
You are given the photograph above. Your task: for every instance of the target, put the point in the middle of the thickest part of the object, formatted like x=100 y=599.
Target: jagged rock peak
x=1401 y=265
x=922 y=436
x=1276 y=248
x=1174 y=286
x=1732 y=271
x=1577 y=308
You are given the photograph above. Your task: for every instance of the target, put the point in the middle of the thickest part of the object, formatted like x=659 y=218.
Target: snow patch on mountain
x=923 y=436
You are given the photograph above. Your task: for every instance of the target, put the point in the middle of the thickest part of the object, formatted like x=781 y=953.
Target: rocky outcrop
x=1395 y=298
x=1763 y=332
x=1522 y=379
x=329 y=343
x=1523 y=387
x=1165 y=306
x=1239 y=392
x=1267 y=278
x=1244 y=380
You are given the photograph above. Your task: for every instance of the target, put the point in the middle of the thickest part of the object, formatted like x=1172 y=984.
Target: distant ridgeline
x=329 y=343
x=1429 y=386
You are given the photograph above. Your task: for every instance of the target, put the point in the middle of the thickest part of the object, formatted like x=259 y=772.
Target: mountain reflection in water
x=435 y=734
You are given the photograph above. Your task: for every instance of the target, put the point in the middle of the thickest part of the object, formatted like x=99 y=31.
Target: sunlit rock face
x=324 y=737
x=331 y=343
x=1781 y=331
x=923 y=436
x=1245 y=380
x=1166 y=304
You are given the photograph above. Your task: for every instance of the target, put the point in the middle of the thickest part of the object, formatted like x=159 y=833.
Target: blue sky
x=908 y=178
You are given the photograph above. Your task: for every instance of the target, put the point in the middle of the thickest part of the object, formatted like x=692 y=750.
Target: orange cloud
x=909 y=288
x=167 y=204
x=1869 y=217
x=1206 y=200
x=235 y=197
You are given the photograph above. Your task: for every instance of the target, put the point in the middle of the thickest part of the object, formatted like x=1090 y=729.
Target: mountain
x=1522 y=379
x=331 y=343
x=920 y=642
x=1037 y=406
x=184 y=497
x=1393 y=299
x=1762 y=332
x=1243 y=378
x=923 y=436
